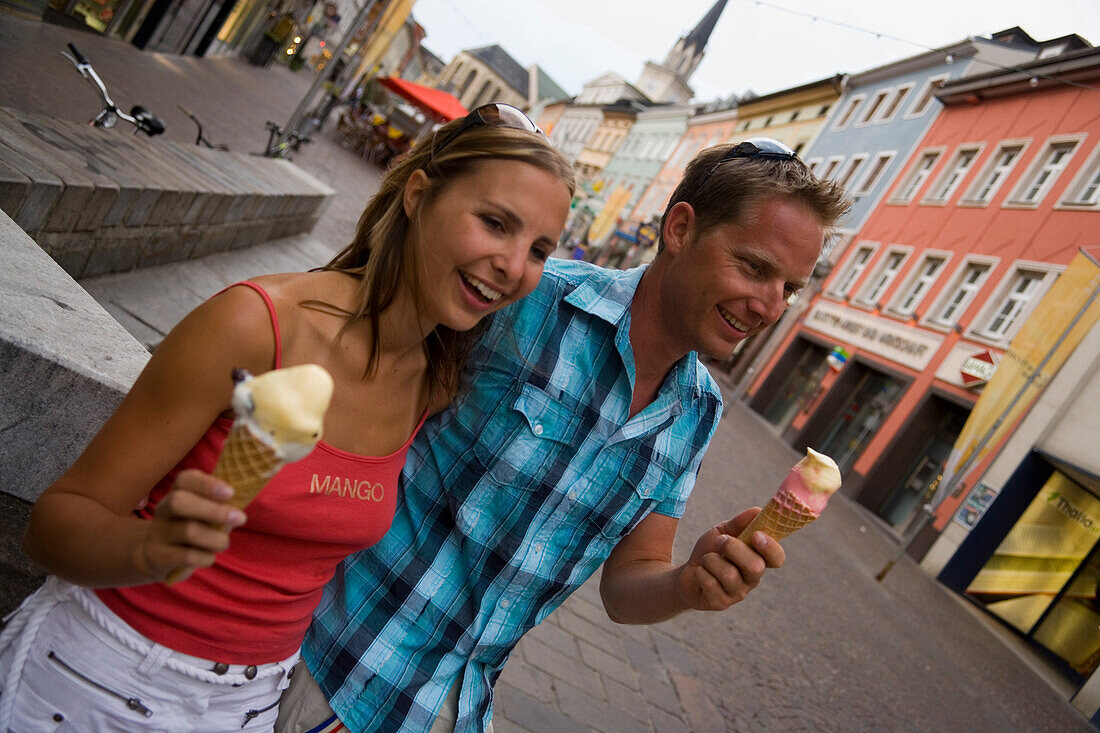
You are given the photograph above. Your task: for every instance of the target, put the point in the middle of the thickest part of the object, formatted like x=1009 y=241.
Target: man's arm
x=640 y=585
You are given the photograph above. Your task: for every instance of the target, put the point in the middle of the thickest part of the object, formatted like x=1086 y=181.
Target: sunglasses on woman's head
x=496 y=114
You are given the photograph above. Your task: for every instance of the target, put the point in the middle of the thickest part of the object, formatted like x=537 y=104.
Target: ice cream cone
x=279 y=416
x=247 y=463
x=800 y=498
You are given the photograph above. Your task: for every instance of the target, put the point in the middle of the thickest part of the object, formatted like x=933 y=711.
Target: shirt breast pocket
x=520 y=456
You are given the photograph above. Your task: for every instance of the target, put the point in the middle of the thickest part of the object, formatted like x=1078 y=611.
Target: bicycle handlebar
x=76 y=53
x=138 y=116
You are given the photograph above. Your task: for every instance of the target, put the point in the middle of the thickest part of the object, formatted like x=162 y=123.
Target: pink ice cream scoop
x=800 y=499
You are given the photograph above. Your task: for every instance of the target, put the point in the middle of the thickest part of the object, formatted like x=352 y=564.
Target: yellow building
x=792 y=116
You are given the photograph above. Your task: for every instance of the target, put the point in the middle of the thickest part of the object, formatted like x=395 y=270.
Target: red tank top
x=254 y=604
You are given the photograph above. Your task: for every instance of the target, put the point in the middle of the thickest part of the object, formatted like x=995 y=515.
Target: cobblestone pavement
x=820 y=646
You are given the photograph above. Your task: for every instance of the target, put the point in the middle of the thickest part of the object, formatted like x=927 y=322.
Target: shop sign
x=977 y=369
x=887 y=338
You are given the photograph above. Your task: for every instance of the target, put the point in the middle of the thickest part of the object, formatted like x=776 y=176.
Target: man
x=575 y=445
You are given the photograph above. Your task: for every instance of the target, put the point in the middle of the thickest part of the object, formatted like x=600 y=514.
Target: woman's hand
x=190 y=526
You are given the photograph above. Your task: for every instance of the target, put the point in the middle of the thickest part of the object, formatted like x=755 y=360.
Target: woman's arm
x=82 y=528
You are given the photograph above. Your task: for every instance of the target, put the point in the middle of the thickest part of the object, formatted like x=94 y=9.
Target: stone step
x=101 y=201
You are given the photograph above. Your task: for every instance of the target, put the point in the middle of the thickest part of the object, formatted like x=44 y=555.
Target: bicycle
x=141 y=118
x=280 y=148
x=200 y=138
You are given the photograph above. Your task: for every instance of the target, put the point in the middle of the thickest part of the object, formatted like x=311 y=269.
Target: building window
x=813 y=164
x=851 y=168
x=919 y=285
x=848 y=112
x=885 y=275
x=993 y=176
x=857 y=263
x=1084 y=191
x=831 y=167
x=926 y=96
x=961 y=294
x=1042 y=174
x=1022 y=291
x=917 y=176
x=873 y=107
x=894 y=103
x=875 y=174
x=953 y=174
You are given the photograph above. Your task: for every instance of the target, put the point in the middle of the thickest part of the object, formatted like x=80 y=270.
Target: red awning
x=440 y=105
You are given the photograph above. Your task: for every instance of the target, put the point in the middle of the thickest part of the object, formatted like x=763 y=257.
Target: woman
x=459 y=228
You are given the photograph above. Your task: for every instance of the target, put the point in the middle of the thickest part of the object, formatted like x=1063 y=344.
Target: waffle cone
x=246 y=464
x=780 y=518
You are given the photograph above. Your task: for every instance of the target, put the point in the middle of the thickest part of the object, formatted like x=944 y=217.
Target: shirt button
x=537 y=547
x=504 y=603
x=572 y=495
x=537 y=428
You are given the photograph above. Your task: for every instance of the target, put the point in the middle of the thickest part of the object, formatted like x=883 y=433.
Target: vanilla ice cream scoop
x=285 y=408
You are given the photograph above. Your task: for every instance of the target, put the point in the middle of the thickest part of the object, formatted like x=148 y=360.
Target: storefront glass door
x=1043 y=578
x=870 y=402
x=921 y=480
x=799 y=387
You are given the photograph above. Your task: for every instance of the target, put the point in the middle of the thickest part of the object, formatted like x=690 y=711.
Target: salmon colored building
x=885 y=364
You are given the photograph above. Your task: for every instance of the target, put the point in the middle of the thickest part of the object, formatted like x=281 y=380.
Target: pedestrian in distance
x=575 y=447
x=460 y=228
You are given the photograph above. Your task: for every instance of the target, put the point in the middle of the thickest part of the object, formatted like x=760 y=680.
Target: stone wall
x=65 y=364
x=100 y=201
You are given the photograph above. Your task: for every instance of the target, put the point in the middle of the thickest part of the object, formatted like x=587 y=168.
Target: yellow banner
x=1045 y=339
x=394 y=15
x=605 y=220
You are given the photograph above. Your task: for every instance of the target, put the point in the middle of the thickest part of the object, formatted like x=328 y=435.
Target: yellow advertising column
x=1044 y=342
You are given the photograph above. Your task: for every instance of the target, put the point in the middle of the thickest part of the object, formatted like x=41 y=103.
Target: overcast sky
x=757 y=46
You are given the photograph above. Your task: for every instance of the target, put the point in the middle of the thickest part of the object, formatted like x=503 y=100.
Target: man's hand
x=722 y=569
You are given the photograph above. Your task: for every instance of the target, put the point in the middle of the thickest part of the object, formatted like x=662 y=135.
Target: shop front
x=1033 y=562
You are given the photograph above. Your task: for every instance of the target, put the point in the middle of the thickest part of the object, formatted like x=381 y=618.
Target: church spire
x=668 y=82
x=700 y=34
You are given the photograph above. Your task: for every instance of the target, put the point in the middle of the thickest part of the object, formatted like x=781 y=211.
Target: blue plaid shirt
x=512 y=498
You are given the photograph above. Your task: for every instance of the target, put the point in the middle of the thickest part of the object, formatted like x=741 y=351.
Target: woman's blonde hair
x=378 y=257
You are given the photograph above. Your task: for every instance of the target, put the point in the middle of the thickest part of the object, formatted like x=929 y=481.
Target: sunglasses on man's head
x=496 y=114
x=757 y=147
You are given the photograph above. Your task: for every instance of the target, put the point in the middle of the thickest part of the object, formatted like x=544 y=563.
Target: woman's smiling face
x=483 y=238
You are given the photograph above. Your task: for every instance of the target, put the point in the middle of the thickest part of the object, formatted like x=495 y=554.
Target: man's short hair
x=729 y=191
